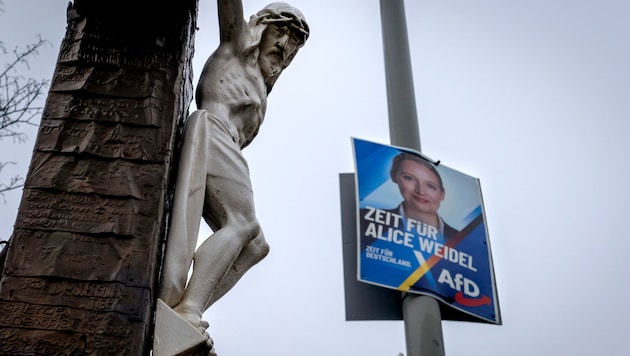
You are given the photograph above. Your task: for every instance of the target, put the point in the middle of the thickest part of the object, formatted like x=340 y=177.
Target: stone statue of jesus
x=213 y=179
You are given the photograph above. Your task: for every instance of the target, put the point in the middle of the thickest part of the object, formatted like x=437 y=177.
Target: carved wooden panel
x=81 y=270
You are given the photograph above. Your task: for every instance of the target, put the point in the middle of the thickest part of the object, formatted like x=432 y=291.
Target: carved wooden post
x=82 y=265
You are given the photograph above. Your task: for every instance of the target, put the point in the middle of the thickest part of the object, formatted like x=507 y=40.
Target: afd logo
x=467 y=290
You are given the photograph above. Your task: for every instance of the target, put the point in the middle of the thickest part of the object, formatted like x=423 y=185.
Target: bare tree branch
x=14 y=183
x=19 y=103
x=18 y=94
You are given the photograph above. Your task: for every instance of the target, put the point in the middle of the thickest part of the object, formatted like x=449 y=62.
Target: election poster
x=422 y=229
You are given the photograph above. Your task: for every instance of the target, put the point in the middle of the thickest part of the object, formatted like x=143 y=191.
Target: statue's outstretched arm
x=231 y=20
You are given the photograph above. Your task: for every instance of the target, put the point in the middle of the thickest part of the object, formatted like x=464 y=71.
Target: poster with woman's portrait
x=422 y=229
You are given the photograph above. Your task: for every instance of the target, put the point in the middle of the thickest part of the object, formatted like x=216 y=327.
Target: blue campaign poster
x=422 y=229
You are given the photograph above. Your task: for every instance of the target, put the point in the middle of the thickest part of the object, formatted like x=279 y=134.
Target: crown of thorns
x=295 y=21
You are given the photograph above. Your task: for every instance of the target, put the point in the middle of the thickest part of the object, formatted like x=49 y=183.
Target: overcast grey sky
x=532 y=97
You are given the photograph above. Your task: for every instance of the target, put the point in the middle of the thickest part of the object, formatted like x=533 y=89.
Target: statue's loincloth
x=221 y=138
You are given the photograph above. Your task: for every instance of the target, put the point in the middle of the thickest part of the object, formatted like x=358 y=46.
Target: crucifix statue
x=213 y=179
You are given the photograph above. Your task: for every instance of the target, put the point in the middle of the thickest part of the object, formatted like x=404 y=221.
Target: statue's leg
x=187 y=209
x=251 y=254
x=238 y=227
x=229 y=210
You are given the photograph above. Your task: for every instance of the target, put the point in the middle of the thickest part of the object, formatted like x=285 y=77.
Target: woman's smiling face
x=420 y=188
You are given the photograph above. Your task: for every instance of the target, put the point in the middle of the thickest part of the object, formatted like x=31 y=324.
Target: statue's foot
x=176 y=332
x=202 y=328
x=193 y=318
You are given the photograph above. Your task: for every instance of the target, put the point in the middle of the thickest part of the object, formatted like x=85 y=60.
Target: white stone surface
x=173 y=334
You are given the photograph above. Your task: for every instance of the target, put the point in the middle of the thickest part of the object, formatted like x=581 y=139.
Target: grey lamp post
x=421 y=314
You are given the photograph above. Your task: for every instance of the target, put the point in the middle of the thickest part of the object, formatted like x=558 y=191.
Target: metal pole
x=421 y=314
x=423 y=326
x=401 y=99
